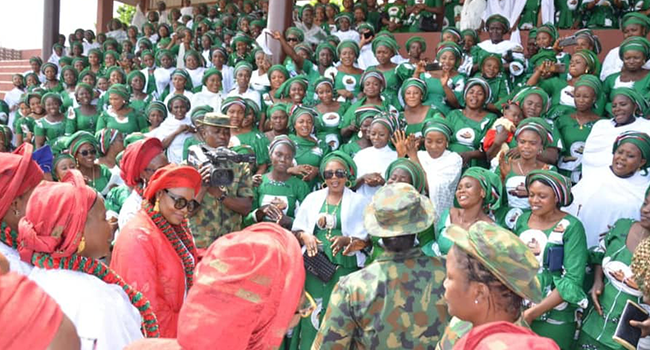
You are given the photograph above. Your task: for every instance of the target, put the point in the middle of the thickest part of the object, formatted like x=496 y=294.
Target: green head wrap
x=635 y=18
x=439 y=124
x=181 y=72
x=343 y=15
x=120 y=90
x=385 y=41
x=587 y=33
x=278 y=68
x=450 y=46
x=364 y=112
x=453 y=31
x=86 y=72
x=112 y=53
x=589 y=57
x=283 y=91
x=482 y=83
x=538 y=125
x=79 y=138
x=491 y=184
x=345 y=160
x=50 y=95
x=472 y=33
x=549 y=29
x=50 y=65
x=347 y=44
x=69 y=68
x=84 y=86
x=105 y=138
x=65 y=61
x=306 y=47
x=242 y=65
x=418 y=83
x=157 y=106
x=386 y=120
x=112 y=69
x=240 y=38
x=36 y=59
x=282 y=140
x=373 y=73
x=198 y=113
x=83 y=60
x=279 y=106
x=58 y=158
x=366 y=26
x=28 y=96
x=327 y=81
x=325 y=45
x=133 y=137
x=333 y=39
x=635 y=43
x=499 y=19
x=521 y=96
x=210 y=72
x=97 y=52
x=258 y=23
x=634 y=96
x=418 y=179
x=295 y=31
x=233 y=100
x=641 y=140
x=179 y=97
x=416 y=39
x=196 y=55
x=252 y=107
x=302 y=9
x=591 y=81
x=560 y=184
x=133 y=75
x=484 y=56
x=298 y=111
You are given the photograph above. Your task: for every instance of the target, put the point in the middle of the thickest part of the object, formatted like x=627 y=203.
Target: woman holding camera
x=327 y=222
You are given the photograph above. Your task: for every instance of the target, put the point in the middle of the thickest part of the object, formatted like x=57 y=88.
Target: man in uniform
x=395 y=302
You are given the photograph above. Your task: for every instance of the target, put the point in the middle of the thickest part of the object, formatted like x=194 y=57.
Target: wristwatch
x=222 y=197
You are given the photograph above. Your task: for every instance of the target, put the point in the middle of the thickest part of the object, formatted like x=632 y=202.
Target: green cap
x=397 y=210
x=217 y=119
x=501 y=252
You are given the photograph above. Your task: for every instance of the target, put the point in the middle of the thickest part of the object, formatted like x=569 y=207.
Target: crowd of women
x=101 y=208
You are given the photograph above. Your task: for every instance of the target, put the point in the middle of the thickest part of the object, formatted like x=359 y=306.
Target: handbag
x=320 y=266
x=428 y=24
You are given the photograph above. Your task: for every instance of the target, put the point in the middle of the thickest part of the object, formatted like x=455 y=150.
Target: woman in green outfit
x=348 y=77
x=278 y=121
x=413 y=93
x=246 y=132
x=70 y=77
x=558 y=241
x=294 y=91
x=385 y=48
x=277 y=76
x=25 y=125
x=95 y=59
x=634 y=52
x=612 y=259
x=86 y=115
x=471 y=123
x=120 y=116
x=363 y=118
x=309 y=150
x=277 y=198
x=52 y=126
x=477 y=197
x=330 y=113
x=574 y=127
x=139 y=98
x=601 y=14
x=445 y=86
x=82 y=146
x=51 y=84
x=329 y=217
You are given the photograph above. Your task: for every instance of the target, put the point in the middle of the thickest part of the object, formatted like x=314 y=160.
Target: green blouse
x=285 y=195
x=436 y=93
x=260 y=144
x=468 y=133
x=49 y=129
x=327 y=126
x=573 y=137
x=309 y=152
x=349 y=82
x=416 y=129
x=132 y=122
x=79 y=121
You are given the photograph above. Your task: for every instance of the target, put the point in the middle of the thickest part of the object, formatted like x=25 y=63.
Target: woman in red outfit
x=155 y=252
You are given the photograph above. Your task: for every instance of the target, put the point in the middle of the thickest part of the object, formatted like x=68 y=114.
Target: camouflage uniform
x=213 y=219
x=393 y=303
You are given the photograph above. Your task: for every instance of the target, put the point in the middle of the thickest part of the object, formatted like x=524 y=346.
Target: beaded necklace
x=180 y=238
x=330 y=226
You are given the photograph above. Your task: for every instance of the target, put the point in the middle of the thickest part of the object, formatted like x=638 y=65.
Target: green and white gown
x=573 y=137
x=286 y=195
x=79 y=121
x=566 y=238
x=328 y=126
x=309 y=152
x=468 y=134
x=132 y=122
x=436 y=93
x=49 y=129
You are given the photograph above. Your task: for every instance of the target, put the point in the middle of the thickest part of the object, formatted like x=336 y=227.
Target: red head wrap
x=55 y=217
x=29 y=317
x=173 y=176
x=247 y=289
x=18 y=173
x=503 y=335
x=136 y=158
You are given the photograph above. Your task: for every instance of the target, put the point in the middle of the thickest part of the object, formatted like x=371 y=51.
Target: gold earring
x=82 y=245
x=157 y=206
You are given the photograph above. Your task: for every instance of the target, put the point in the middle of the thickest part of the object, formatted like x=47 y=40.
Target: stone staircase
x=13 y=66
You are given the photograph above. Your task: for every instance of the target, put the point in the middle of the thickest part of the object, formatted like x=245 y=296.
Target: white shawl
x=443 y=174
x=175 y=149
x=470 y=15
x=207 y=98
x=352 y=207
x=373 y=160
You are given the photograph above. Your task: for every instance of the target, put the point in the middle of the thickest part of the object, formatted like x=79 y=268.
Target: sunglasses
x=341 y=174
x=180 y=202
x=87 y=152
x=292 y=39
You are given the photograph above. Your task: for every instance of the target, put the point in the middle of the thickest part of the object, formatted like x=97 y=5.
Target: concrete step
x=14 y=63
x=6 y=86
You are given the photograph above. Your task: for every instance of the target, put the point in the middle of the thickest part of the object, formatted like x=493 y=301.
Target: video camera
x=220 y=173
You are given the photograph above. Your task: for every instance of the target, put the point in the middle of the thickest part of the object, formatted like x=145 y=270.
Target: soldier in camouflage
x=490 y=272
x=395 y=302
x=222 y=208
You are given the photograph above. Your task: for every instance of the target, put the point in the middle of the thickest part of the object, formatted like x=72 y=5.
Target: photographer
x=222 y=207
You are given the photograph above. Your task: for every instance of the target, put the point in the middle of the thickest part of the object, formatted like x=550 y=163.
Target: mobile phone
x=367 y=35
x=432 y=66
x=569 y=41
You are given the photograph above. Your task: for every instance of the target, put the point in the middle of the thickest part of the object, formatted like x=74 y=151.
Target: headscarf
x=560 y=184
x=470 y=32
x=7 y=135
x=325 y=45
x=285 y=88
x=295 y=31
x=198 y=113
x=589 y=57
x=439 y=124
x=183 y=98
x=418 y=178
x=640 y=102
x=385 y=41
x=548 y=28
x=49 y=65
x=640 y=139
x=278 y=68
x=367 y=26
x=635 y=18
x=521 y=96
x=344 y=15
x=305 y=47
x=196 y=55
x=591 y=81
x=65 y=61
x=482 y=83
x=181 y=72
x=326 y=81
x=133 y=75
x=115 y=55
x=282 y=140
x=635 y=43
x=79 y=138
x=538 y=125
x=302 y=9
x=344 y=159
x=373 y=73
x=499 y=19
x=279 y=106
x=18 y=173
x=55 y=217
x=242 y=65
x=543 y=56
x=418 y=83
x=120 y=90
x=385 y=120
x=157 y=106
x=210 y=72
x=36 y=59
x=453 y=48
x=59 y=157
x=453 y=31
x=105 y=138
x=248 y=288
x=347 y=44
x=52 y=95
x=68 y=68
x=26 y=310
x=233 y=100
x=137 y=157
x=416 y=39
x=364 y=112
x=298 y=111
x=172 y=176
x=491 y=184
x=587 y=33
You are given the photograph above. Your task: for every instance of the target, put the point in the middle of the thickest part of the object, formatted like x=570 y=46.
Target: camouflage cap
x=397 y=210
x=217 y=119
x=503 y=254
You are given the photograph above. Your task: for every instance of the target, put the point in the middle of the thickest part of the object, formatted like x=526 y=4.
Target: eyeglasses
x=86 y=152
x=292 y=39
x=341 y=174
x=307 y=306
x=181 y=202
